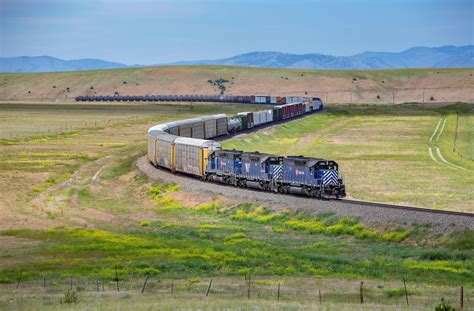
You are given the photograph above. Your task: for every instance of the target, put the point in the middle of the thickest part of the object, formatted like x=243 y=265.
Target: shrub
x=69 y=297
x=461 y=239
x=396 y=236
x=435 y=255
x=396 y=292
x=444 y=306
x=158 y=189
x=213 y=207
x=144 y=223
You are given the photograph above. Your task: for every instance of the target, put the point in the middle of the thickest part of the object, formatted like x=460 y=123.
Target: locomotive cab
x=327 y=175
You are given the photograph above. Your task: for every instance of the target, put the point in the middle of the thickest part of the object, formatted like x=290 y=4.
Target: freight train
x=186 y=147
x=253 y=99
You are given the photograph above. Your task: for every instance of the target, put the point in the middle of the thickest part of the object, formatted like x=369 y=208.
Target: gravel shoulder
x=369 y=215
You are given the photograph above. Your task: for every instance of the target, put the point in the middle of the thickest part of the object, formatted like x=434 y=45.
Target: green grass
x=382 y=151
x=465 y=136
x=214 y=239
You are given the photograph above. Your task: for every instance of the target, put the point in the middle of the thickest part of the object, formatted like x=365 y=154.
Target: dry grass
x=229 y=294
x=408 y=85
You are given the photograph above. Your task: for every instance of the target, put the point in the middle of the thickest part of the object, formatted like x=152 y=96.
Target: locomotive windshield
x=327 y=166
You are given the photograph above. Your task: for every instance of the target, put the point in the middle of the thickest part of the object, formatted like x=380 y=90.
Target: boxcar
x=249 y=118
x=210 y=126
x=191 y=155
x=184 y=128
x=164 y=150
x=173 y=128
x=197 y=128
x=221 y=124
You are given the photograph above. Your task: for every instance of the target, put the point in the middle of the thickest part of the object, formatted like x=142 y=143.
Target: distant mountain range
x=417 y=57
x=48 y=63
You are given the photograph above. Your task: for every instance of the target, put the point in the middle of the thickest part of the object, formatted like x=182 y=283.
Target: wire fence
x=254 y=287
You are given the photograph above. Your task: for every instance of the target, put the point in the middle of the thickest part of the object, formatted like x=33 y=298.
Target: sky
x=157 y=32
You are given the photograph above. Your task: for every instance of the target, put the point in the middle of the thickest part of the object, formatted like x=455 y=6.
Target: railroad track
x=406 y=208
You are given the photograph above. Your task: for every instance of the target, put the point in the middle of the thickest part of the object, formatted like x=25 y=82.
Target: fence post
x=44 y=281
x=172 y=287
x=70 y=283
x=320 y=298
x=208 y=288
x=97 y=282
x=361 y=292
x=248 y=288
x=117 y=280
x=144 y=284
x=278 y=295
x=406 y=293
x=461 y=299
x=19 y=279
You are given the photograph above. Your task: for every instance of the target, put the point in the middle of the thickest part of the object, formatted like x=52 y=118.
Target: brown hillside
x=385 y=86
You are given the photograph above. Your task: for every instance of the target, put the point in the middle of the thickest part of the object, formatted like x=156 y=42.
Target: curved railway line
x=370 y=213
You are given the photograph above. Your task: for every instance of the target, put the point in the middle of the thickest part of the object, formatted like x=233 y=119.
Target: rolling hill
x=383 y=86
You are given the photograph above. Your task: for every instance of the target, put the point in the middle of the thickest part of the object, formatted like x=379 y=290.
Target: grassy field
x=383 y=151
x=73 y=205
x=382 y=86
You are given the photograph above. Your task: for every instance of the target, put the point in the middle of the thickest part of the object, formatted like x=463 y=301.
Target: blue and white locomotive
x=313 y=177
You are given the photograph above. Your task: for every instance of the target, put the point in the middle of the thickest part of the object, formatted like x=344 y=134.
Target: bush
x=444 y=306
x=396 y=236
x=69 y=297
x=461 y=239
x=396 y=292
x=435 y=255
